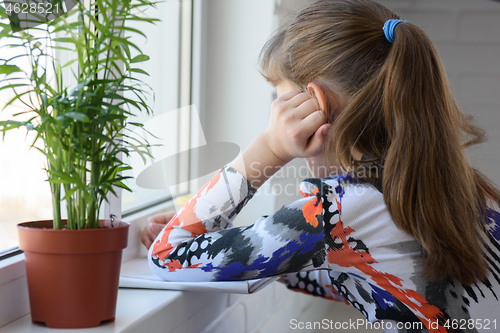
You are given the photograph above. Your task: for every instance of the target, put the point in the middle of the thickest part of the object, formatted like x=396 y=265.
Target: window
x=169 y=47
x=24 y=193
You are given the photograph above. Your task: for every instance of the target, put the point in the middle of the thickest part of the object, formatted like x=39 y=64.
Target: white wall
x=234 y=99
x=237 y=98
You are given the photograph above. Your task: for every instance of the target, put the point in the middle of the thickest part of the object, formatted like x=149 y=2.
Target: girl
x=408 y=233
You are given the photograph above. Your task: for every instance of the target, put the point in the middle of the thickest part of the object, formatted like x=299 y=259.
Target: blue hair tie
x=389 y=29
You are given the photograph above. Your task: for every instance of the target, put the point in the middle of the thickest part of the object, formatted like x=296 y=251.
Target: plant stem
x=94 y=181
x=56 y=205
x=70 y=209
x=81 y=198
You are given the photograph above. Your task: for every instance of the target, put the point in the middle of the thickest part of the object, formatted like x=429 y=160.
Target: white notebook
x=136 y=274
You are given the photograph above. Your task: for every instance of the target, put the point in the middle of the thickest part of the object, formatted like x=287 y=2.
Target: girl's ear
x=335 y=103
x=318 y=94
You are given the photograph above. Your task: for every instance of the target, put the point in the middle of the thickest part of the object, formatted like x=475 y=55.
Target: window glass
x=153 y=179
x=24 y=193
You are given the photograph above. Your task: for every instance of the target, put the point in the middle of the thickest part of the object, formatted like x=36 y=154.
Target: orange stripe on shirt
x=313 y=208
x=186 y=219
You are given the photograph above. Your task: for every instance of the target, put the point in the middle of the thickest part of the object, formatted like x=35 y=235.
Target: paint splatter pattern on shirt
x=338 y=242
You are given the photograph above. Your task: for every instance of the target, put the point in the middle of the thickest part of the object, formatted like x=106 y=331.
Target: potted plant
x=84 y=128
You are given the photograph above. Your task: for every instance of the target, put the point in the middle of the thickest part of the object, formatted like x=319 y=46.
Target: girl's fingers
x=154 y=226
x=162 y=218
x=312 y=122
x=295 y=119
x=316 y=142
x=146 y=238
x=325 y=129
x=306 y=108
x=299 y=99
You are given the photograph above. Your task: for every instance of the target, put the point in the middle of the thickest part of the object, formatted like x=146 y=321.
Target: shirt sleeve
x=199 y=243
x=315 y=283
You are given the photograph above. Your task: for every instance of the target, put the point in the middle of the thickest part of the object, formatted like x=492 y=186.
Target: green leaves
x=9 y=69
x=83 y=126
x=78 y=116
x=60 y=177
x=140 y=71
x=3 y=13
x=8 y=125
x=139 y=58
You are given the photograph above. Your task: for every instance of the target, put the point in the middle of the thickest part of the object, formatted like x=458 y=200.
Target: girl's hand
x=297 y=127
x=154 y=226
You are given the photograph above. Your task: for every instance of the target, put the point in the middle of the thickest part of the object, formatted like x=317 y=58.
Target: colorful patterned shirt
x=338 y=242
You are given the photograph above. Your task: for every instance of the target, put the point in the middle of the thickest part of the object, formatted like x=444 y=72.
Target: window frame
x=12 y=269
x=10 y=252
x=114 y=205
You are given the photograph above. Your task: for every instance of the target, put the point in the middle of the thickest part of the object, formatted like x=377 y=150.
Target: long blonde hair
x=400 y=112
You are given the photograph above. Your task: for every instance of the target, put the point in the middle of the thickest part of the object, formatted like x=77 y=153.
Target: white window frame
x=13 y=285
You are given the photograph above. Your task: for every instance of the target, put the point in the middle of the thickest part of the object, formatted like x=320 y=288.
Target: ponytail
x=429 y=187
x=400 y=112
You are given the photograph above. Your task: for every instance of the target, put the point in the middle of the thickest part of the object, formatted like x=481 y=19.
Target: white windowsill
x=133 y=307
x=138 y=310
x=12 y=268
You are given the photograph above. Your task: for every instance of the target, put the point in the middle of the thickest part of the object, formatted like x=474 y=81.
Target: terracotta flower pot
x=72 y=274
